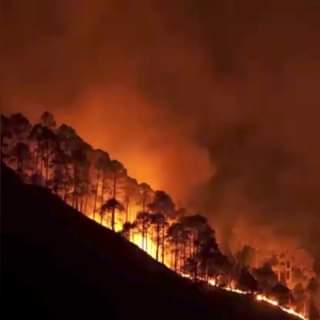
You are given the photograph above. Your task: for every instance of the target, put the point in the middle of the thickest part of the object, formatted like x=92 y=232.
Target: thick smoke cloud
x=215 y=101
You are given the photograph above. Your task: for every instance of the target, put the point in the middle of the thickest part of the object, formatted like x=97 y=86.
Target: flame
x=149 y=246
x=259 y=297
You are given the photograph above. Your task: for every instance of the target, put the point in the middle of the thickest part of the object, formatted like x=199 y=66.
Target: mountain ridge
x=57 y=263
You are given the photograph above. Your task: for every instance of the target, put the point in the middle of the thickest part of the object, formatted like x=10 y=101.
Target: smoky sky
x=215 y=101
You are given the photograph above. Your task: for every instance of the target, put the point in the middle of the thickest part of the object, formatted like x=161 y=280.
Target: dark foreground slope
x=57 y=264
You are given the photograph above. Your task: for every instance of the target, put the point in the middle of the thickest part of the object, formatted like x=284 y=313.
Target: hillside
x=57 y=263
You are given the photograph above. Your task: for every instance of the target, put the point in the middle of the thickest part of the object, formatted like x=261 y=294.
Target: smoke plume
x=216 y=102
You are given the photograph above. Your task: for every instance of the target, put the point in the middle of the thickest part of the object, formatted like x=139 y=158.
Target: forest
x=55 y=157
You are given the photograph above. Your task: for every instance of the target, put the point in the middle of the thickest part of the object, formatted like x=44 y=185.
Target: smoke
x=216 y=102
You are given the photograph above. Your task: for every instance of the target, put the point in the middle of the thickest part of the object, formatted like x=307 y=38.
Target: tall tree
x=143 y=223
x=80 y=176
x=22 y=155
x=130 y=194
x=62 y=176
x=116 y=172
x=47 y=120
x=246 y=281
x=111 y=205
x=6 y=136
x=101 y=164
x=19 y=126
x=246 y=256
x=198 y=229
x=158 y=220
x=46 y=142
x=162 y=208
x=126 y=230
x=146 y=195
x=177 y=236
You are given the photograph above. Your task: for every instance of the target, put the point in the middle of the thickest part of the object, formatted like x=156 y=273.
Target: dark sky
x=216 y=101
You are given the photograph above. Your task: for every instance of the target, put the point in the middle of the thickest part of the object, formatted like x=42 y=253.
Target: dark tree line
x=56 y=157
x=100 y=187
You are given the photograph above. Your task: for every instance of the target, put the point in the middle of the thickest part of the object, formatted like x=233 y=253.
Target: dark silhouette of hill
x=57 y=264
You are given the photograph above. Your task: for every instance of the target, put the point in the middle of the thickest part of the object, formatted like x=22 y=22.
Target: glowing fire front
x=148 y=245
x=259 y=297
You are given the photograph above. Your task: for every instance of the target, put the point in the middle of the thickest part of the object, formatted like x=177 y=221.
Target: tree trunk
x=162 y=245
x=113 y=215
x=176 y=256
x=47 y=164
x=142 y=236
x=103 y=189
x=96 y=195
x=158 y=241
x=85 y=203
x=81 y=205
x=41 y=167
x=19 y=165
x=127 y=210
x=2 y=146
x=33 y=158
x=75 y=185
x=64 y=184
x=184 y=253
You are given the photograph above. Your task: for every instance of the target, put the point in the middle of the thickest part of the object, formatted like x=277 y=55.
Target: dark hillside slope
x=57 y=264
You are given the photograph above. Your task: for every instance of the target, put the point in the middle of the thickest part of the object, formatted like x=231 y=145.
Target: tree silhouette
x=146 y=194
x=247 y=282
x=19 y=127
x=211 y=261
x=116 y=173
x=6 y=134
x=177 y=236
x=61 y=176
x=126 y=230
x=281 y=293
x=101 y=166
x=80 y=165
x=111 y=205
x=84 y=177
x=162 y=208
x=218 y=266
x=265 y=276
x=47 y=120
x=199 y=231
x=45 y=140
x=143 y=223
x=246 y=256
x=131 y=193
x=22 y=154
x=158 y=220
x=162 y=203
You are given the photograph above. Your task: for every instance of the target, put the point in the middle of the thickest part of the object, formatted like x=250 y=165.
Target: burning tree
x=87 y=179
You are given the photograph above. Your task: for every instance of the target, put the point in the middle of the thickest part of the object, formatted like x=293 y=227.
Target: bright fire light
x=258 y=297
x=149 y=246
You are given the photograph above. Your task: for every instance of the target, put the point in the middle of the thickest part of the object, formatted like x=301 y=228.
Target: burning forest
x=56 y=157
x=189 y=128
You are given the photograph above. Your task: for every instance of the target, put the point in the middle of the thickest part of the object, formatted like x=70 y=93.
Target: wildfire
x=258 y=297
x=149 y=246
x=261 y=297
